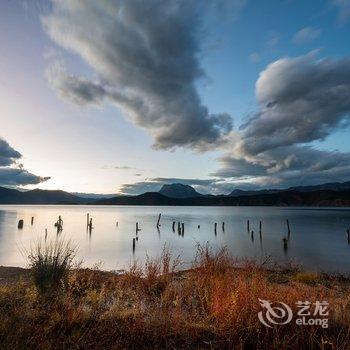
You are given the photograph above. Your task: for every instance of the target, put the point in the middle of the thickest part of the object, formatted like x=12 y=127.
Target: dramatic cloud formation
x=145 y=56
x=15 y=175
x=305 y=35
x=149 y=69
x=301 y=100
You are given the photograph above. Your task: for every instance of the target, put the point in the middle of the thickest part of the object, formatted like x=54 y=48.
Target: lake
x=318 y=238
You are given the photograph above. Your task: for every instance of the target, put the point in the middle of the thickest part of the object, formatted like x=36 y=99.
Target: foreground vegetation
x=213 y=305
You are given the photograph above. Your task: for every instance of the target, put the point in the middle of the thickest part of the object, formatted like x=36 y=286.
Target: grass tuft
x=50 y=264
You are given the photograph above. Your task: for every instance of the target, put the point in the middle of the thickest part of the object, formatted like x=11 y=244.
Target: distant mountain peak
x=178 y=190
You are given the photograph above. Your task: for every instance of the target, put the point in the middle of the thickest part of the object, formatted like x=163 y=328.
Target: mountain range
x=329 y=194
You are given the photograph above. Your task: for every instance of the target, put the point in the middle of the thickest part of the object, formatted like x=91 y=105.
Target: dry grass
x=50 y=264
x=214 y=305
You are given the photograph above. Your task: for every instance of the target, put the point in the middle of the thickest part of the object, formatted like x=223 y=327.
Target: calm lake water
x=318 y=235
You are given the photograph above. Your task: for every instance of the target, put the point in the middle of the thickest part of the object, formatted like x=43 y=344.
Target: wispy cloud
x=343 y=10
x=306 y=35
x=254 y=57
x=121 y=167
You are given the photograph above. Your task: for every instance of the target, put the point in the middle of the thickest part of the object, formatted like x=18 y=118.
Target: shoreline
x=12 y=274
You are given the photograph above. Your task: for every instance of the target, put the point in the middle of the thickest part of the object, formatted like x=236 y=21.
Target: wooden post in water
x=223 y=227
x=179 y=228
x=20 y=224
x=45 y=234
x=215 y=227
x=87 y=220
x=90 y=225
x=199 y=226
x=117 y=224
x=260 y=228
x=183 y=228
x=288 y=228
x=285 y=244
x=133 y=244
x=32 y=221
x=137 y=227
x=252 y=235
x=348 y=232
x=173 y=226
x=158 y=222
x=248 y=228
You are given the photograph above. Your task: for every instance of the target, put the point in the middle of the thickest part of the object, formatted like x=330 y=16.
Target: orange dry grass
x=212 y=305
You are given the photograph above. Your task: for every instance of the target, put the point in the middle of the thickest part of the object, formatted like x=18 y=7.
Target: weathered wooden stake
x=183 y=228
x=248 y=229
x=179 y=228
x=223 y=226
x=32 y=221
x=288 y=228
x=215 y=227
x=252 y=235
x=87 y=219
x=117 y=224
x=260 y=228
x=199 y=226
x=158 y=222
x=348 y=232
x=285 y=243
x=20 y=224
x=90 y=225
x=173 y=226
x=45 y=234
x=133 y=244
x=137 y=227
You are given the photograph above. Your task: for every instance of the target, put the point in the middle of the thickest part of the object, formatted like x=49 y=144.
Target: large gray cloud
x=8 y=155
x=301 y=99
x=11 y=172
x=19 y=177
x=287 y=166
x=146 y=58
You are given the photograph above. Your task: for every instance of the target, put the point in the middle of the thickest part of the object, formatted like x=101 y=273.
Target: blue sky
x=69 y=111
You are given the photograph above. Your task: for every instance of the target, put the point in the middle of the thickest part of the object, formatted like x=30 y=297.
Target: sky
x=122 y=96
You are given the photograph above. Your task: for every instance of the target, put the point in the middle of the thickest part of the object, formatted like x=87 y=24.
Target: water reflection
x=119 y=235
